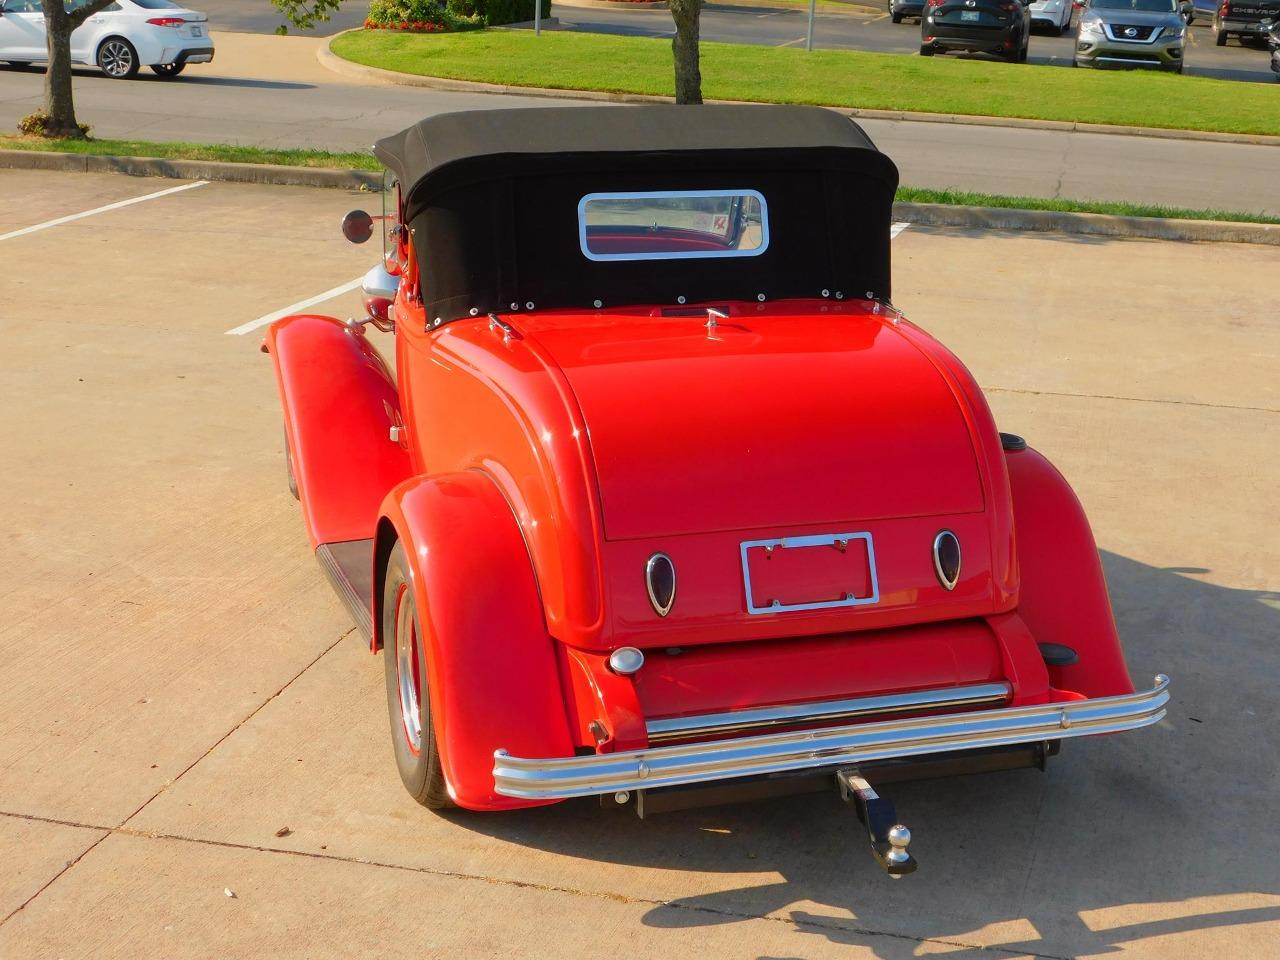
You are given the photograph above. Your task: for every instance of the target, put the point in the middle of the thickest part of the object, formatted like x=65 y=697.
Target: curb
x=265 y=173
x=918 y=214
x=337 y=64
x=1087 y=224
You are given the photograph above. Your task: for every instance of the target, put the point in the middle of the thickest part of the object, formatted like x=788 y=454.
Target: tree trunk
x=684 y=46
x=58 y=103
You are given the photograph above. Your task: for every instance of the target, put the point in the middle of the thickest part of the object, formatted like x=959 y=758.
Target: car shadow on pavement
x=1148 y=834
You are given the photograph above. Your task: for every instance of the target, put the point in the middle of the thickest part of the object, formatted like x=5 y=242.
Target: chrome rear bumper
x=563 y=777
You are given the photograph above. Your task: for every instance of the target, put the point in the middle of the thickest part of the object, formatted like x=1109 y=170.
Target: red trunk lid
x=771 y=418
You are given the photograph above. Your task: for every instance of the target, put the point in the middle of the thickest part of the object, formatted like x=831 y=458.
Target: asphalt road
x=186 y=713
x=260 y=16
x=271 y=91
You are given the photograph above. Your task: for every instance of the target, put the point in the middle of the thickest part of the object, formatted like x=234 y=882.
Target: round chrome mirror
x=357 y=226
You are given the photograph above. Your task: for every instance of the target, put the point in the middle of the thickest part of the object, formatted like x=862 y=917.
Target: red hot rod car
x=664 y=496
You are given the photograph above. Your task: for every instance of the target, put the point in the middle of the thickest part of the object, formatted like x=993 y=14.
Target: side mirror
x=357 y=226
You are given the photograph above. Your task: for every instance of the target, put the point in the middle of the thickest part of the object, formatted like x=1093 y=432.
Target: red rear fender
x=491 y=665
x=1063 y=596
x=339 y=404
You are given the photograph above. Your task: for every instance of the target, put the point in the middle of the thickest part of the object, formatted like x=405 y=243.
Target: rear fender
x=1063 y=596
x=492 y=668
x=339 y=402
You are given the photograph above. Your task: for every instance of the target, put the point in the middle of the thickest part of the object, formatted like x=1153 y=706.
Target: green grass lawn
x=843 y=78
x=366 y=161
x=194 y=151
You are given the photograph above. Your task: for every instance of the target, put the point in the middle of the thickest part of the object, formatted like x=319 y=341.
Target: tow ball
x=889 y=838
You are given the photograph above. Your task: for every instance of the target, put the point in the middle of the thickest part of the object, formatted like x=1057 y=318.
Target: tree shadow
x=1148 y=834
x=187 y=79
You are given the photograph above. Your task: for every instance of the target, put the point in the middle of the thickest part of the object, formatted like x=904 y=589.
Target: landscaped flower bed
x=419 y=16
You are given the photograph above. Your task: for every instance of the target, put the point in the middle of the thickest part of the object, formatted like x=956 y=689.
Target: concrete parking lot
x=193 y=760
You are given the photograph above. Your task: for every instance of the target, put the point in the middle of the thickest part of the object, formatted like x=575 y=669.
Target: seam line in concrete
x=106 y=832
x=1107 y=396
x=833 y=925
x=226 y=736
x=169 y=784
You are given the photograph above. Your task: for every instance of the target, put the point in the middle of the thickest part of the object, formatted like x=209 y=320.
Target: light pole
x=808 y=41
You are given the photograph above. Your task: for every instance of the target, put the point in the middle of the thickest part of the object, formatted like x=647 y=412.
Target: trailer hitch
x=889 y=838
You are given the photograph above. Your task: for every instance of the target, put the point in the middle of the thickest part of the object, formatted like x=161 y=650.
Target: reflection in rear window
x=673 y=225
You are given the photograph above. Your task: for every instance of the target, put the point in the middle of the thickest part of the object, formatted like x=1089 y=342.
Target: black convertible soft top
x=491 y=197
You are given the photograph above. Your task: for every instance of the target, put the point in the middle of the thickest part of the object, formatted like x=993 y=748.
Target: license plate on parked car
x=970 y=15
x=195 y=32
x=809 y=573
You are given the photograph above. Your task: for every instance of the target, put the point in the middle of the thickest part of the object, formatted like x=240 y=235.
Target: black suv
x=1001 y=27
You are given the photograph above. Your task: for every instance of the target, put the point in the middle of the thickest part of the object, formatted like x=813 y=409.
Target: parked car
x=1001 y=27
x=119 y=39
x=665 y=496
x=1053 y=15
x=1273 y=42
x=905 y=8
x=1131 y=33
x=1243 y=18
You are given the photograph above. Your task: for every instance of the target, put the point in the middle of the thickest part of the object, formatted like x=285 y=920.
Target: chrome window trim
x=655 y=194
x=817 y=540
x=558 y=778
x=786 y=714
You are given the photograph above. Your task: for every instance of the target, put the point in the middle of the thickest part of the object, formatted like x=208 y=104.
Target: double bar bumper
x=798 y=750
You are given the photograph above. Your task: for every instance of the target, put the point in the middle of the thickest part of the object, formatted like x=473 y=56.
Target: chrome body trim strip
x=818 y=540
x=562 y=777
x=824 y=711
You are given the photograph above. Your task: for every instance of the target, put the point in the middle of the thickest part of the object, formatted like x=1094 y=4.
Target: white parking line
x=792 y=42
x=897 y=228
x=252 y=325
x=110 y=206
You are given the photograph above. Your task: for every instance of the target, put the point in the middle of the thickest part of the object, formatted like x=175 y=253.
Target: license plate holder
x=970 y=16
x=819 y=572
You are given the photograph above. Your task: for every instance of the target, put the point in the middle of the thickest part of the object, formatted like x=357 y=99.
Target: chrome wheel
x=117 y=59
x=410 y=680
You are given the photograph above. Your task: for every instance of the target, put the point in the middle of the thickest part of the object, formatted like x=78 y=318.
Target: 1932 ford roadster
x=666 y=501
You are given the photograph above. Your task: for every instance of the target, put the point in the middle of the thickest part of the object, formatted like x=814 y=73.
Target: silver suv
x=1131 y=33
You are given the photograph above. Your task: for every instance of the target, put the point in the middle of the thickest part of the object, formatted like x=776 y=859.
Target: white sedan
x=121 y=38
x=1054 y=14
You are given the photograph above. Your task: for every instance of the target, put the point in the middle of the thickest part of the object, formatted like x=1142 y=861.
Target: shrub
x=418 y=16
x=497 y=12
x=34 y=124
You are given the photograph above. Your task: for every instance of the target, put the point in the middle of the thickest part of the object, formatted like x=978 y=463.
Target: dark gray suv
x=1131 y=33
x=1001 y=27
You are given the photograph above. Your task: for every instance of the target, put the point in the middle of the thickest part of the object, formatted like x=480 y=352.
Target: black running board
x=349 y=567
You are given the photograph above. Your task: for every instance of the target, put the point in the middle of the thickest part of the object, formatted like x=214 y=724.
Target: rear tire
x=897 y=18
x=926 y=50
x=118 y=59
x=404 y=662
x=1220 y=38
x=167 y=70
